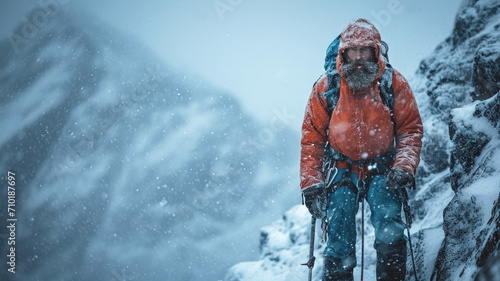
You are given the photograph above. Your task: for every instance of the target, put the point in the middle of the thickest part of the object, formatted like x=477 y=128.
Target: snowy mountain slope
x=127 y=169
x=463 y=242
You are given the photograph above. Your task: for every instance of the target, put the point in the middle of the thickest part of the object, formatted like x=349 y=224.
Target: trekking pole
x=362 y=237
x=360 y=196
x=403 y=195
x=361 y=188
x=360 y=185
x=310 y=262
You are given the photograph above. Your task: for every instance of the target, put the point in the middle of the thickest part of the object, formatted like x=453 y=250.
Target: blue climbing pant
x=385 y=208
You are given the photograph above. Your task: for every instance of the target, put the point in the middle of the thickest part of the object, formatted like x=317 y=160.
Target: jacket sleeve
x=408 y=126
x=314 y=137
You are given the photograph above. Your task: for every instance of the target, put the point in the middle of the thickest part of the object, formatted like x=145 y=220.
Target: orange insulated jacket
x=360 y=126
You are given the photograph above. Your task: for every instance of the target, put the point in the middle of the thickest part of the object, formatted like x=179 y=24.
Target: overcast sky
x=268 y=53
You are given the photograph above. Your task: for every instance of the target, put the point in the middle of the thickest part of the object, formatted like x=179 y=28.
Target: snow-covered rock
x=486 y=68
x=284 y=247
x=471 y=219
x=444 y=80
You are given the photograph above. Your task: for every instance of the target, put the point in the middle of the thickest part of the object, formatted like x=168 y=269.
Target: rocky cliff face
x=463 y=69
x=456 y=207
x=452 y=76
x=471 y=219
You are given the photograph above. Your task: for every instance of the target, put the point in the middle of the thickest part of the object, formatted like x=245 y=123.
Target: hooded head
x=360 y=33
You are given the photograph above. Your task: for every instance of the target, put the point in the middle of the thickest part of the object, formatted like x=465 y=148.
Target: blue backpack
x=333 y=94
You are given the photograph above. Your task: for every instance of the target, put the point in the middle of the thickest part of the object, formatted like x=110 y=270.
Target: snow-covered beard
x=362 y=77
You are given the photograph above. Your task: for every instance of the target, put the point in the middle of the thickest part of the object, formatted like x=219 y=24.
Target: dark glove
x=398 y=177
x=315 y=200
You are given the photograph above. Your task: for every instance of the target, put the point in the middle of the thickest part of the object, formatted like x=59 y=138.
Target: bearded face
x=359 y=69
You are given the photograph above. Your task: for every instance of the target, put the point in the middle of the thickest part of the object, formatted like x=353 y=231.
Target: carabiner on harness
x=330 y=178
x=361 y=186
x=324 y=227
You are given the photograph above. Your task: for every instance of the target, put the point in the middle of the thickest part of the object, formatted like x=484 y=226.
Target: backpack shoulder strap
x=386 y=92
x=333 y=94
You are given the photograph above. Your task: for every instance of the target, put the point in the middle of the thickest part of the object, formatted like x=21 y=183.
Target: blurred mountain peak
x=126 y=164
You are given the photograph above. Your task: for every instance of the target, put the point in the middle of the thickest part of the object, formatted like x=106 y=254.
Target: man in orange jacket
x=363 y=133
